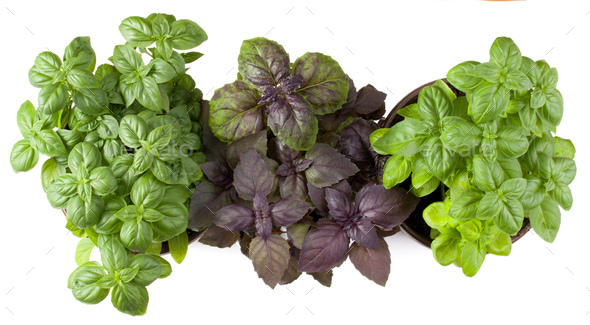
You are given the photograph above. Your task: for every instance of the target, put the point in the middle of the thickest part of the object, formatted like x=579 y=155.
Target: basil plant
x=125 y=146
x=489 y=145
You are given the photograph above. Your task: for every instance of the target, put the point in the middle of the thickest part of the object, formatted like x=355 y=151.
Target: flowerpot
x=415 y=226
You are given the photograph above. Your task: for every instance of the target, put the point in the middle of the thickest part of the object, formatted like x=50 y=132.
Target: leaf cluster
x=488 y=142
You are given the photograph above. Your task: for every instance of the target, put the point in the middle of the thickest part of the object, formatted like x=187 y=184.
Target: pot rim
x=390 y=120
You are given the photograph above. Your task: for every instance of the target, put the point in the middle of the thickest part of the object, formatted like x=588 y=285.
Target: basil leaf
x=513 y=188
x=50 y=171
x=510 y=218
x=102 y=180
x=433 y=103
x=190 y=57
x=263 y=63
x=464 y=77
x=397 y=169
x=159 y=137
x=564 y=148
x=136 y=235
x=292 y=122
x=563 y=196
x=517 y=80
x=130 y=298
x=79 y=54
x=178 y=246
x=489 y=101
x=235 y=112
x=132 y=129
x=149 y=269
x=440 y=160
x=84 y=214
x=324 y=84
x=564 y=170
x=546 y=219
x=328 y=167
x=147 y=191
x=552 y=110
x=83 y=251
x=113 y=254
x=23 y=156
x=186 y=34
x=161 y=71
x=48 y=143
x=472 y=257
x=78 y=78
x=174 y=222
x=148 y=94
x=53 y=98
x=47 y=63
x=446 y=249
x=490 y=71
x=467 y=205
x=252 y=175
x=108 y=128
x=26 y=118
x=270 y=258
x=137 y=31
x=462 y=138
x=84 y=154
x=400 y=139
x=83 y=282
x=505 y=53
x=487 y=175
x=489 y=207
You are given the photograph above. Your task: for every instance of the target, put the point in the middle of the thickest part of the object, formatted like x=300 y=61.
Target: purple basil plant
x=294 y=178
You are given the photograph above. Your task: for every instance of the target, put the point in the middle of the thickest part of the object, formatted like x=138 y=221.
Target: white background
x=396 y=46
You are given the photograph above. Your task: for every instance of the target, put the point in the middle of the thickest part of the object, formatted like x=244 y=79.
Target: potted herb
x=124 y=144
x=487 y=143
x=298 y=181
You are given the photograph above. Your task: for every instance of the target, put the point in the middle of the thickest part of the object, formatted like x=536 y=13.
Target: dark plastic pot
x=415 y=226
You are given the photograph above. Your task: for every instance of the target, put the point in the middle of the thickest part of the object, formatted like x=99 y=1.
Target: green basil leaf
x=534 y=192
x=142 y=161
x=564 y=148
x=53 y=98
x=137 y=235
x=151 y=215
x=420 y=172
x=446 y=249
x=130 y=298
x=113 y=148
x=84 y=214
x=517 y=80
x=79 y=54
x=466 y=206
x=501 y=246
x=440 y=160
x=159 y=137
x=471 y=230
x=490 y=71
x=397 y=169
x=50 y=171
x=564 y=170
x=126 y=275
x=174 y=222
x=489 y=206
x=161 y=71
x=137 y=31
x=160 y=24
x=510 y=166
x=324 y=85
x=489 y=101
x=23 y=157
x=538 y=98
x=91 y=101
x=84 y=154
x=83 y=282
x=464 y=77
x=166 y=268
x=552 y=110
x=126 y=60
x=109 y=127
x=427 y=188
x=132 y=129
x=186 y=34
x=548 y=80
x=37 y=79
x=79 y=78
x=26 y=118
x=113 y=254
x=563 y=196
x=191 y=56
x=410 y=112
x=147 y=191
x=462 y=138
x=511 y=216
x=127 y=213
x=546 y=219
x=178 y=246
x=190 y=141
x=400 y=139
x=472 y=257
x=102 y=180
x=83 y=251
x=513 y=188
x=48 y=143
x=436 y=215
x=434 y=103
x=148 y=94
x=149 y=269
x=486 y=174
x=505 y=53
x=106 y=282
x=47 y=63
x=546 y=165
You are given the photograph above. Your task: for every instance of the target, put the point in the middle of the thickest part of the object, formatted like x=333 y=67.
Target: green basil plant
x=124 y=144
x=489 y=144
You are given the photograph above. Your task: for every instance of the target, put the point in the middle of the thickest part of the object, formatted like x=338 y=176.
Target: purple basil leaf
x=235 y=112
x=287 y=211
x=369 y=100
x=291 y=120
x=318 y=195
x=296 y=234
x=234 y=150
x=218 y=172
x=324 y=278
x=385 y=208
x=270 y=258
x=374 y=264
x=263 y=63
x=245 y=241
x=355 y=142
x=301 y=164
x=285 y=170
x=341 y=209
x=272 y=94
x=323 y=247
x=293 y=186
x=325 y=86
x=207 y=199
x=352 y=94
x=263 y=220
x=214 y=148
x=364 y=233
x=292 y=272
x=234 y=217
x=285 y=154
x=219 y=237
x=328 y=167
x=252 y=175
